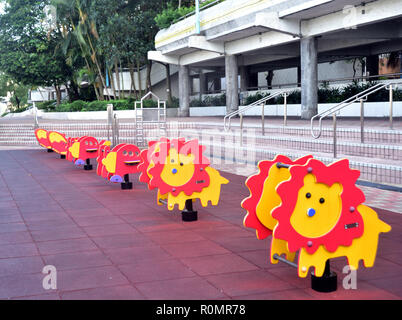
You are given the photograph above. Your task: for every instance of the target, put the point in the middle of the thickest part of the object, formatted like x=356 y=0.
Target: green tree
x=18 y=93
x=29 y=51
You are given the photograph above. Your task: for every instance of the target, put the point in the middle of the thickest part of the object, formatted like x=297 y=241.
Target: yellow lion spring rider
x=316 y=211
x=181 y=173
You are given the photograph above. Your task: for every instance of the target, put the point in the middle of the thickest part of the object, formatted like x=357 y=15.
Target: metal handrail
x=261 y=102
x=358 y=97
x=115 y=130
x=361 y=97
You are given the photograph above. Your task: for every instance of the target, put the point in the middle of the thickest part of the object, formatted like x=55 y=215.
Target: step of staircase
x=378 y=159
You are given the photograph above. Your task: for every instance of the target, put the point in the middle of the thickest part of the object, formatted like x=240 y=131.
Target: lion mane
x=351 y=198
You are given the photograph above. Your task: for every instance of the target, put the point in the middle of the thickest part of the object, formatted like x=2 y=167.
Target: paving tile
x=382 y=269
x=97 y=221
x=223 y=233
x=289 y=274
x=364 y=291
x=155 y=271
x=65 y=246
x=15 y=237
x=106 y=230
x=260 y=258
x=10 y=218
x=244 y=244
x=18 y=250
x=178 y=289
x=174 y=236
x=132 y=255
x=15 y=266
x=48 y=296
x=89 y=278
x=77 y=260
x=58 y=233
x=216 y=264
x=126 y=292
x=89 y=212
x=158 y=225
x=291 y=294
x=391 y=285
x=8 y=204
x=194 y=249
x=247 y=283
x=54 y=222
x=21 y=285
x=12 y=227
x=44 y=216
x=122 y=241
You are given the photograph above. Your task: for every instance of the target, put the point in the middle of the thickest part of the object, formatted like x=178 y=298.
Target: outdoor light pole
x=197 y=17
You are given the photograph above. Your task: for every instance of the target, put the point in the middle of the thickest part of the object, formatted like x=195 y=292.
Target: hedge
x=171 y=14
x=332 y=95
x=83 y=106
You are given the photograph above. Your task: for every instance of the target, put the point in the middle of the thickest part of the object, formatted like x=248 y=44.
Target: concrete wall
x=372 y=109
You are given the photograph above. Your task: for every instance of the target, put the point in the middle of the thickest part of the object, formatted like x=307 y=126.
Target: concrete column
x=184 y=91
x=203 y=83
x=309 y=77
x=217 y=84
x=244 y=79
x=232 y=83
x=298 y=76
x=373 y=66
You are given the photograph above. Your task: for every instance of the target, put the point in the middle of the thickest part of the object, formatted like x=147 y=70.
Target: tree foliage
x=28 y=46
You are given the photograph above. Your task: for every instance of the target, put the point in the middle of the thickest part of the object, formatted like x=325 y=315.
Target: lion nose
x=310 y=212
x=174 y=171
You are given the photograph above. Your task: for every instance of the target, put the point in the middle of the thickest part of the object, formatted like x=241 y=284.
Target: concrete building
x=240 y=40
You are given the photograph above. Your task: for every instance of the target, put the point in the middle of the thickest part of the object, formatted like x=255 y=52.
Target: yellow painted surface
x=280 y=247
x=269 y=198
x=56 y=137
x=75 y=150
x=326 y=214
x=110 y=162
x=363 y=248
x=184 y=166
x=210 y=193
x=42 y=134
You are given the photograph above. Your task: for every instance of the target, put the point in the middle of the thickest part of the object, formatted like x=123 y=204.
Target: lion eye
x=181 y=163
x=130 y=153
x=124 y=153
x=322 y=200
x=308 y=195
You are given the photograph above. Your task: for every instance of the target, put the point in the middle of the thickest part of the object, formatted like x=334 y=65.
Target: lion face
x=318 y=208
x=178 y=169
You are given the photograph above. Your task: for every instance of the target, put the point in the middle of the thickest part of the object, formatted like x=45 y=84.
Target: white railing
x=360 y=97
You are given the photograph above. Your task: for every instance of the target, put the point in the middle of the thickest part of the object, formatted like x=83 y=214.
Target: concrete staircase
x=379 y=159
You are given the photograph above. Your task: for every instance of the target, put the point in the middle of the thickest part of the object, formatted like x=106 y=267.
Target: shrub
x=209 y=101
x=174 y=104
x=96 y=106
x=148 y=103
x=46 y=105
x=123 y=104
x=77 y=105
x=171 y=14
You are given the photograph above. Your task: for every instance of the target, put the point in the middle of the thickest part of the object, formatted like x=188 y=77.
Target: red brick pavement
x=112 y=244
